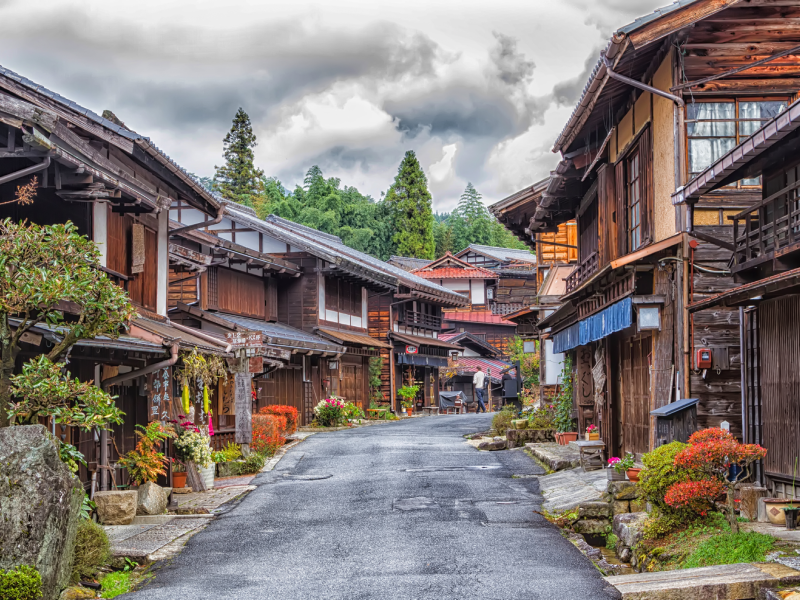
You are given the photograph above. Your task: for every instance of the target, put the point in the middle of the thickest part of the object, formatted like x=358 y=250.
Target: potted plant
x=408 y=393
x=616 y=469
x=192 y=445
x=145 y=463
x=178 y=474
x=592 y=433
x=627 y=465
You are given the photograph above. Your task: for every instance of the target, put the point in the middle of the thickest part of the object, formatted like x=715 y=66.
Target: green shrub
x=21 y=583
x=229 y=453
x=563 y=402
x=91 y=551
x=117 y=583
x=660 y=473
x=542 y=418
x=729 y=549
x=660 y=523
x=253 y=464
x=502 y=420
x=611 y=541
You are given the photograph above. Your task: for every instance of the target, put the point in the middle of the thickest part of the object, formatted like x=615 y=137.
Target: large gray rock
x=623 y=490
x=116 y=507
x=590 y=526
x=594 y=510
x=40 y=504
x=628 y=528
x=152 y=499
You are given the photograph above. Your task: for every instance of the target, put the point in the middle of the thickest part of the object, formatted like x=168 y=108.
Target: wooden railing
x=770 y=228
x=582 y=272
x=419 y=319
x=506 y=308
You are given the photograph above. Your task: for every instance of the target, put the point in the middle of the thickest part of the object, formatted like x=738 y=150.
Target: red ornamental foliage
x=712 y=434
x=698 y=496
x=281 y=410
x=268 y=433
x=716 y=455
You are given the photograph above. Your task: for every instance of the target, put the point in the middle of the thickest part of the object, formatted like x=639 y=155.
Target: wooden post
x=244 y=404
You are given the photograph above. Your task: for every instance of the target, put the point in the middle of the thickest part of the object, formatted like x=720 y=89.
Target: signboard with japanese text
x=159 y=394
x=411 y=349
x=244 y=339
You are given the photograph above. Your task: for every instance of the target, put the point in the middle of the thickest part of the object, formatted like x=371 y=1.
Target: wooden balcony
x=769 y=231
x=415 y=318
x=583 y=272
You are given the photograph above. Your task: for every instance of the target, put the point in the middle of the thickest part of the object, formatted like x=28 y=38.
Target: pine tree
x=239 y=180
x=472 y=223
x=443 y=234
x=411 y=210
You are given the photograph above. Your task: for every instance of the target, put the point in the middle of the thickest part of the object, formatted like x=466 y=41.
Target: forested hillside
x=401 y=222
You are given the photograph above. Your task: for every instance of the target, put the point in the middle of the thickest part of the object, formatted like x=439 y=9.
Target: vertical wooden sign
x=584 y=388
x=227 y=405
x=159 y=394
x=244 y=408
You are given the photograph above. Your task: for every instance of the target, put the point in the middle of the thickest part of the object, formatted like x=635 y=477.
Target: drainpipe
x=642 y=86
x=114 y=381
x=27 y=171
x=216 y=220
x=202 y=335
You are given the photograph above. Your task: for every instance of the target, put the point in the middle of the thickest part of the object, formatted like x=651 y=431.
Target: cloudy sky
x=478 y=89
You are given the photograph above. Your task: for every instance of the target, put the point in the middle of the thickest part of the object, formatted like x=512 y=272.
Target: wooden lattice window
x=634 y=202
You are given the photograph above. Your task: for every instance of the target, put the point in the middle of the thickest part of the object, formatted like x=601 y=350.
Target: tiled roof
x=354 y=338
x=185 y=340
x=456 y=273
x=278 y=334
x=501 y=254
x=465 y=337
x=477 y=317
x=141 y=140
x=424 y=341
x=407 y=263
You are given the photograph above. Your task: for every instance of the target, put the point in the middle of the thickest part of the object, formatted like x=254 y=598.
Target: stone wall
x=516 y=438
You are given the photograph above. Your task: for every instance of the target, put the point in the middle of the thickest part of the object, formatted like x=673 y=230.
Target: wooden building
x=765 y=261
x=481 y=286
x=672 y=92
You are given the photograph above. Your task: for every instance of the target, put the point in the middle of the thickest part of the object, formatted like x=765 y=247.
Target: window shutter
x=646 y=166
x=271 y=301
x=622 y=208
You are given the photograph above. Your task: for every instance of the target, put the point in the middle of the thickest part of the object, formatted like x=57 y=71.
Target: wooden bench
x=430 y=410
x=376 y=413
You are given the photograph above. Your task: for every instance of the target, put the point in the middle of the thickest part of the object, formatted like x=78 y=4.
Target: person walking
x=478 y=382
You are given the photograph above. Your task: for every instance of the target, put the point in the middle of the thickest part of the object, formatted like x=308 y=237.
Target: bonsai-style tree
x=50 y=274
x=146 y=463
x=713 y=451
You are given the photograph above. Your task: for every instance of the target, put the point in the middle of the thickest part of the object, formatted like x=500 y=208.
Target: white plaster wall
x=189 y=216
x=163 y=263
x=248 y=239
x=478 y=291
x=100 y=230
x=553 y=364
x=273 y=245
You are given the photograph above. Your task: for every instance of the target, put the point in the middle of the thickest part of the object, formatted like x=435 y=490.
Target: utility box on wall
x=675 y=422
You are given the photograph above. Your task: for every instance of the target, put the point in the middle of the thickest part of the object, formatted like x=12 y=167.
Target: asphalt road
x=401 y=510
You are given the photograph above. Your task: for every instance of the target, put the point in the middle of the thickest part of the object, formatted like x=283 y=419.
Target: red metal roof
x=477 y=317
x=455 y=273
x=469 y=364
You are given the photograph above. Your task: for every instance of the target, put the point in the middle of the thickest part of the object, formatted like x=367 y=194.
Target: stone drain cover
x=307 y=477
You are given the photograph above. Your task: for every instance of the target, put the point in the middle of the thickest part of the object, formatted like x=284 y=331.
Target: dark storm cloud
x=512 y=67
x=183 y=77
x=567 y=93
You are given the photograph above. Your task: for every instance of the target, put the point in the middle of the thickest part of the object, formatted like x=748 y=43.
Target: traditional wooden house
x=670 y=94
x=481 y=286
x=115 y=185
x=765 y=261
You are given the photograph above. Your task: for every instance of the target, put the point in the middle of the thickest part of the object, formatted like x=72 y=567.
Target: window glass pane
x=758 y=110
x=714 y=111
x=704 y=152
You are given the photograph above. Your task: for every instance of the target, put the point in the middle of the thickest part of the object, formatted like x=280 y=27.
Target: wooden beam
x=28 y=112
x=676 y=20
x=787 y=85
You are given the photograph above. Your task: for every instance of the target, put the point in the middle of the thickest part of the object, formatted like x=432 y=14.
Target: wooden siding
x=118 y=230
x=607 y=215
x=635 y=353
x=379 y=326
x=779 y=332
x=143 y=287
x=239 y=293
x=547 y=253
x=298 y=303
x=184 y=291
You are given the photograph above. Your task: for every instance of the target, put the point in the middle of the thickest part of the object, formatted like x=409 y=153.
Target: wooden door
x=353 y=385
x=636 y=356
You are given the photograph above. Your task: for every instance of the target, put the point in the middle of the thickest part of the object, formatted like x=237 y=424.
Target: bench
x=430 y=410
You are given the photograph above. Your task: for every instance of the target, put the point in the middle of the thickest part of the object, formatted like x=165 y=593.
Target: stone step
x=726 y=582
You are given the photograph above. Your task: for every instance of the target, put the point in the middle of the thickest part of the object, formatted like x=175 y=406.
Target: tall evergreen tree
x=471 y=222
x=412 y=214
x=443 y=235
x=239 y=180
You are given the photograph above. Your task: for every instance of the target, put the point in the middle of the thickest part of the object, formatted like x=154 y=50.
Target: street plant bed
x=707 y=542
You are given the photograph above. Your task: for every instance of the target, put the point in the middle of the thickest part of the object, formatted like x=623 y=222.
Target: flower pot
x=520 y=423
x=633 y=474
x=775 y=510
x=559 y=439
x=613 y=475
x=179 y=479
x=592 y=436
x=207 y=474
x=569 y=436
x=410 y=411
x=791 y=517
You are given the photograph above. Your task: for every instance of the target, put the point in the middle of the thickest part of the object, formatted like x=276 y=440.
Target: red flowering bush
x=697 y=496
x=281 y=410
x=713 y=452
x=268 y=433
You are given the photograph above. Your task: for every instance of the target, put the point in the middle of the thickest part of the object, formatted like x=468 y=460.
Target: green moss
x=730 y=548
x=91 y=551
x=611 y=541
x=21 y=583
x=121 y=582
